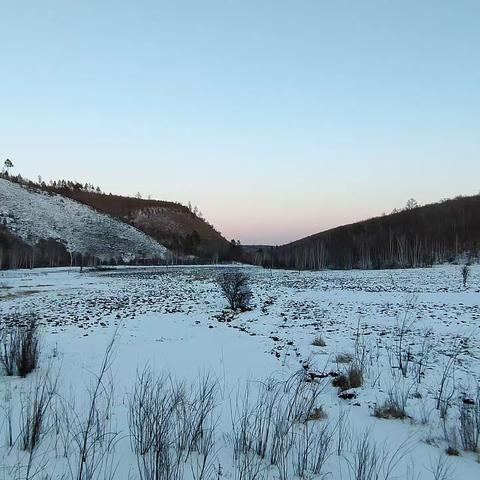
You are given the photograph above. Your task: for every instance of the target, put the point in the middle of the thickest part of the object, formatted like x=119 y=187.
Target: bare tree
x=411 y=204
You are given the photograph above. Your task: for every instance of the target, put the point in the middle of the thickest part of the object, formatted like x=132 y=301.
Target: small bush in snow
x=20 y=349
x=235 y=289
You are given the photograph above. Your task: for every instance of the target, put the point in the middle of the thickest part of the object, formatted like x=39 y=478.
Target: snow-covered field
x=34 y=215
x=271 y=390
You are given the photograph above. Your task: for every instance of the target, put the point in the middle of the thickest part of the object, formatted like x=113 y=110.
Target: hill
x=417 y=237
x=42 y=228
x=172 y=224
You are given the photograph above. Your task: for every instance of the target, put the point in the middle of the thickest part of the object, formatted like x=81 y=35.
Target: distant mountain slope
x=421 y=236
x=31 y=216
x=172 y=224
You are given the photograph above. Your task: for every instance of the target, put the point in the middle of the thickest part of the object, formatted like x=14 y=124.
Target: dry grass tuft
x=452 y=451
x=389 y=410
x=319 y=342
x=344 y=358
x=317 y=414
x=353 y=378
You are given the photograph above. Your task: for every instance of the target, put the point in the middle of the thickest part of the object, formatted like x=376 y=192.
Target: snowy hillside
x=35 y=215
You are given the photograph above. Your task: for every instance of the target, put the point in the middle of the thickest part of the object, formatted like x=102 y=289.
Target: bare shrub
x=262 y=426
x=7 y=408
x=370 y=462
x=90 y=432
x=277 y=425
x=151 y=421
x=322 y=449
x=34 y=408
x=20 y=349
x=446 y=388
x=403 y=327
x=246 y=461
x=425 y=411
x=262 y=415
x=167 y=423
x=423 y=355
x=311 y=448
x=343 y=430
x=366 y=459
x=361 y=349
x=440 y=469
x=235 y=288
x=301 y=397
x=203 y=465
x=10 y=351
x=35 y=422
x=282 y=442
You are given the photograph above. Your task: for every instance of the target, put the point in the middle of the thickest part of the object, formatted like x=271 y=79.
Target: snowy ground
x=174 y=321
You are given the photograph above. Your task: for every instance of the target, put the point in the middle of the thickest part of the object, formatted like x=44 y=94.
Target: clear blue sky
x=278 y=118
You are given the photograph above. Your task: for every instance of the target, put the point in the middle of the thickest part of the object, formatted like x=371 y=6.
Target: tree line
x=447 y=231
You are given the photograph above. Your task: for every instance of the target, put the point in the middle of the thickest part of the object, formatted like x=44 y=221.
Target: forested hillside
x=183 y=230
x=40 y=228
x=174 y=225
x=416 y=237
